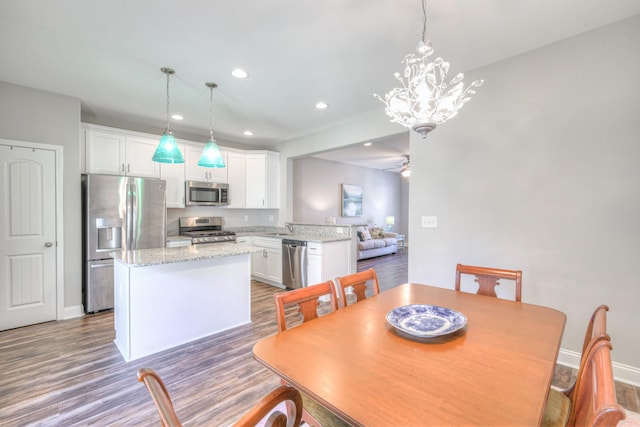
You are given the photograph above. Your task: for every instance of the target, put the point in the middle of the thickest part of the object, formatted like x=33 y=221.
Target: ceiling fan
x=405 y=169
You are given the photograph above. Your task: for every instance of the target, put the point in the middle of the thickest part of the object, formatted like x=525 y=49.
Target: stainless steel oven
x=200 y=193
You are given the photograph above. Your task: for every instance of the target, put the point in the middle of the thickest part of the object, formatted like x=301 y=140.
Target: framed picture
x=351 y=200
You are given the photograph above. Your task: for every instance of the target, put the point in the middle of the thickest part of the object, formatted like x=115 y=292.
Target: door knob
x=48 y=244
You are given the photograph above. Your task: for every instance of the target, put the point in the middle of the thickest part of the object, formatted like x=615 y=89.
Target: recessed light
x=367 y=144
x=177 y=117
x=239 y=73
x=248 y=133
x=322 y=105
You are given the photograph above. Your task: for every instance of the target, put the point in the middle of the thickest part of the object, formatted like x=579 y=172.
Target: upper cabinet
x=253 y=176
x=173 y=174
x=263 y=178
x=118 y=154
x=194 y=172
x=237 y=171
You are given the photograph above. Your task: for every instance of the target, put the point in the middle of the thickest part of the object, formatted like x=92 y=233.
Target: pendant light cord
x=211 y=112
x=168 y=76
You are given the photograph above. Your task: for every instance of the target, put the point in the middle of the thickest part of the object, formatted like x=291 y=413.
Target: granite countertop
x=149 y=257
x=294 y=236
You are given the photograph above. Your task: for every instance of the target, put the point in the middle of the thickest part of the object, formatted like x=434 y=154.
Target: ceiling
x=109 y=54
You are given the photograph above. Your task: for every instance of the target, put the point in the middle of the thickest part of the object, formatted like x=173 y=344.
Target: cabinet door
x=138 y=154
x=259 y=264
x=236 y=165
x=314 y=269
x=105 y=152
x=256 y=180
x=274 y=265
x=174 y=175
x=220 y=174
x=198 y=173
x=335 y=259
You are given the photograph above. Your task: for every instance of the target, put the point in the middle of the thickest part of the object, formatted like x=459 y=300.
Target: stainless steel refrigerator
x=119 y=213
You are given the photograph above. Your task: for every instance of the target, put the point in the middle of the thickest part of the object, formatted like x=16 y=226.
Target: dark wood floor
x=69 y=373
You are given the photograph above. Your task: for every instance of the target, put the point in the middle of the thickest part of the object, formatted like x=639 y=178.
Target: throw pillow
x=377 y=233
x=361 y=236
x=367 y=235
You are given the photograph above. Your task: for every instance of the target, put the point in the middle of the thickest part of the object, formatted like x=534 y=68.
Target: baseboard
x=73 y=312
x=621 y=372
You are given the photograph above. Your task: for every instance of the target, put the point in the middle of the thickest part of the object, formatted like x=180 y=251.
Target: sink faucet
x=289 y=226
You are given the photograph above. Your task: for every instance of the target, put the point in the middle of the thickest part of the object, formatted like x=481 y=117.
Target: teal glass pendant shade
x=167 y=150
x=211 y=156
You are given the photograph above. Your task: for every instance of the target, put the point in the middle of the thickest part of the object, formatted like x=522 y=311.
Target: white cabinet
x=263 y=177
x=174 y=175
x=138 y=154
x=237 y=170
x=120 y=154
x=198 y=173
x=266 y=265
x=326 y=261
x=314 y=268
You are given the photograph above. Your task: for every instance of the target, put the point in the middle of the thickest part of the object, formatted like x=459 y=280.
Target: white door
x=27 y=236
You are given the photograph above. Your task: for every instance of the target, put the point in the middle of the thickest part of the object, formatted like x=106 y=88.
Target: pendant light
x=167 y=150
x=211 y=156
x=425 y=100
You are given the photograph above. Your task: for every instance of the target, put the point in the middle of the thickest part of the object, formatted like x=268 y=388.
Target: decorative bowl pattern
x=426 y=321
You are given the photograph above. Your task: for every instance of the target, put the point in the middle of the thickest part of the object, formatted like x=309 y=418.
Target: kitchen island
x=166 y=297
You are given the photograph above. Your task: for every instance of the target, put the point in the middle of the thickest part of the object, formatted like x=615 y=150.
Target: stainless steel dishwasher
x=294 y=263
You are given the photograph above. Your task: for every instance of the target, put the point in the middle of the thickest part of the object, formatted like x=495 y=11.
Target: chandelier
x=425 y=100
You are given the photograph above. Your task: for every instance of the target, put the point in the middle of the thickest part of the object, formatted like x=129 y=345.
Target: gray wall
x=35 y=116
x=317 y=193
x=539 y=172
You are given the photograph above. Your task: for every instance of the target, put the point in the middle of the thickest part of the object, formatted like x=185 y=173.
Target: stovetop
x=205 y=230
x=202 y=233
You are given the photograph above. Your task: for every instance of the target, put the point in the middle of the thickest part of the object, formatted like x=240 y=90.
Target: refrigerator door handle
x=129 y=217
x=134 y=214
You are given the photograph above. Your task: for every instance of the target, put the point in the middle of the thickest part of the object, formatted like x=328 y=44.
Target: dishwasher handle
x=293 y=243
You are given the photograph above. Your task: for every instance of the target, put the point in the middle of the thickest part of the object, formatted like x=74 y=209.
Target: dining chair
x=308 y=301
x=488 y=278
x=596 y=331
x=269 y=405
x=358 y=281
x=593 y=402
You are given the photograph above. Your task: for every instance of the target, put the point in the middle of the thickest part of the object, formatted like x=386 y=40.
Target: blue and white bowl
x=426 y=321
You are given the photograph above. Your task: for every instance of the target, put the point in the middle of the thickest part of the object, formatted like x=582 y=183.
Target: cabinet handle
x=128 y=167
x=122 y=167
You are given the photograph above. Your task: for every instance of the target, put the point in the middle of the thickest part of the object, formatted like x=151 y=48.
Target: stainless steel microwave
x=198 y=193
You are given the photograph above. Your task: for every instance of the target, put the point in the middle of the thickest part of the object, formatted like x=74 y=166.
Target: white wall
x=539 y=172
x=316 y=192
x=36 y=116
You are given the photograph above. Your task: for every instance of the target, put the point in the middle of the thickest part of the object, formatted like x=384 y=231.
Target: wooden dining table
x=495 y=371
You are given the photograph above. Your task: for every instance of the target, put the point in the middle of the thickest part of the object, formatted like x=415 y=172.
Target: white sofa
x=374 y=241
